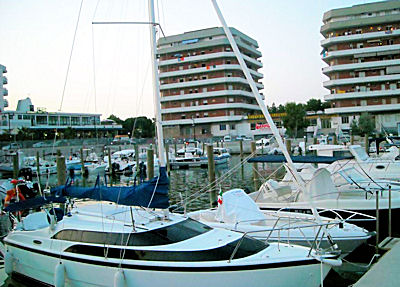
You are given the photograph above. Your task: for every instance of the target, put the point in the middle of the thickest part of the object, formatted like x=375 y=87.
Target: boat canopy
x=34 y=203
x=152 y=193
x=298 y=159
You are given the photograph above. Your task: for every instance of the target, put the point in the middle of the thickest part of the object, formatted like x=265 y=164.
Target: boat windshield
x=161 y=236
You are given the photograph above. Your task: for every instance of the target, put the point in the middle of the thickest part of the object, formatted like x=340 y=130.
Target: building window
x=181 y=80
x=182 y=92
x=85 y=121
x=64 y=121
x=205 y=115
x=204 y=90
x=222 y=127
x=360 y=45
x=20 y=117
x=75 y=121
x=205 y=102
x=233 y=127
x=209 y=38
x=183 y=116
x=53 y=120
x=229 y=75
x=202 y=52
x=363 y=102
x=252 y=126
x=230 y=87
x=228 y=62
x=393 y=101
x=230 y=100
x=41 y=120
x=203 y=65
x=345 y=120
x=204 y=77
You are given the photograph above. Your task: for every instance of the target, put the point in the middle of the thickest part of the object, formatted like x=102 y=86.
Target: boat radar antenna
x=298 y=179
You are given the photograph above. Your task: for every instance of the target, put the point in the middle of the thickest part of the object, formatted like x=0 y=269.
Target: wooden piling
x=167 y=157
x=38 y=166
x=110 y=169
x=335 y=139
x=366 y=143
x=83 y=168
x=15 y=165
x=352 y=139
x=305 y=145
x=136 y=147
x=241 y=150
x=211 y=175
x=61 y=170
x=44 y=154
x=288 y=143
x=377 y=221
x=176 y=148
x=150 y=163
x=255 y=166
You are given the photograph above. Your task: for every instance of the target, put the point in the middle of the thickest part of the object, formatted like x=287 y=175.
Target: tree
x=69 y=133
x=294 y=119
x=116 y=119
x=314 y=105
x=273 y=109
x=354 y=128
x=366 y=124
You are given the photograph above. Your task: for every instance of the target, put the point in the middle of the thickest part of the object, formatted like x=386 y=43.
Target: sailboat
x=132 y=240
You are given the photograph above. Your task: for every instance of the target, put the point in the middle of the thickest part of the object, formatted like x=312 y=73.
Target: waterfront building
x=203 y=90
x=25 y=116
x=3 y=90
x=362 y=50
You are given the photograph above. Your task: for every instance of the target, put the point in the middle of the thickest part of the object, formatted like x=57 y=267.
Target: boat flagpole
x=156 y=85
x=298 y=179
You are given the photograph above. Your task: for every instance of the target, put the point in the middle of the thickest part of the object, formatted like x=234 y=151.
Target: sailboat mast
x=156 y=85
x=257 y=95
x=298 y=179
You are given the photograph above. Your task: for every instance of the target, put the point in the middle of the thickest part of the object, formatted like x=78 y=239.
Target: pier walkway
x=384 y=273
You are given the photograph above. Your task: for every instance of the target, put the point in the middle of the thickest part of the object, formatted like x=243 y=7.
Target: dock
x=384 y=273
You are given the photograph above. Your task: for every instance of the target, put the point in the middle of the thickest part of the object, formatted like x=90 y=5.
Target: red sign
x=262 y=126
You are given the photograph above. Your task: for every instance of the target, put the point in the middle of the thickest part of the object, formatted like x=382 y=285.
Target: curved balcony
x=213 y=81
x=363 y=52
x=204 y=57
x=208 y=69
x=356 y=66
x=356 y=95
x=360 y=37
x=361 y=80
x=194 y=96
x=210 y=107
x=361 y=109
x=203 y=120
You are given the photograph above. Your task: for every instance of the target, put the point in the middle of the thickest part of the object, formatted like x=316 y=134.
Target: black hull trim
x=28 y=281
x=170 y=268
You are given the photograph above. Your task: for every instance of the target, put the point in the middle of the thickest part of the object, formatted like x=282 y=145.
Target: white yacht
x=121 y=246
x=189 y=160
x=238 y=212
x=325 y=195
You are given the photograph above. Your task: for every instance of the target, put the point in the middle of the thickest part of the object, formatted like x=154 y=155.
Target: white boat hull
x=41 y=267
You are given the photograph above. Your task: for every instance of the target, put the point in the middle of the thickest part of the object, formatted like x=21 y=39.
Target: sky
x=110 y=70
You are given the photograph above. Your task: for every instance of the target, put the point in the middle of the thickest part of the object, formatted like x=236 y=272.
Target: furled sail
x=152 y=193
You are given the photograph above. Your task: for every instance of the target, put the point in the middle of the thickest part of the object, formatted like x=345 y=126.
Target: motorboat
x=237 y=211
x=189 y=160
x=191 y=147
x=106 y=244
x=325 y=195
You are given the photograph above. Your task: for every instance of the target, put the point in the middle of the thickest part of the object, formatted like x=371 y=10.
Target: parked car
x=40 y=144
x=227 y=138
x=11 y=146
x=61 y=143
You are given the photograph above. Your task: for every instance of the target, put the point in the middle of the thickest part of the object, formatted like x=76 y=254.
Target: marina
x=204 y=180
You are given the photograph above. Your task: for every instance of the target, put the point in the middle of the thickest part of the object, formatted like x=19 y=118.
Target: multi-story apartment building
x=3 y=90
x=203 y=89
x=362 y=50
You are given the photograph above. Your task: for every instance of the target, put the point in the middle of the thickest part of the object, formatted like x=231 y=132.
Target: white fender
x=119 y=278
x=8 y=262
x=59 y=275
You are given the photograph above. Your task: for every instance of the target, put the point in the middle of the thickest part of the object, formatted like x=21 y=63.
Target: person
x=12 y=194
x=142 y=172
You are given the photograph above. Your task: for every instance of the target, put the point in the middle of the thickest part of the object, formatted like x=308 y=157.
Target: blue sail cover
x=138 y=195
